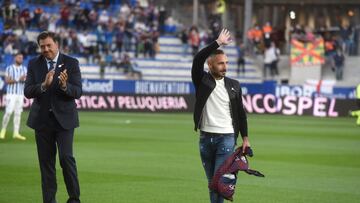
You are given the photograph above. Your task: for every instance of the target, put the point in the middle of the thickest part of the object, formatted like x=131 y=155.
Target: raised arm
x=197 y=70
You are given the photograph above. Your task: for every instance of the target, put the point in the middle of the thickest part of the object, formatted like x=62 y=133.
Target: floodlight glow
x=292 y=15
x=351 y=13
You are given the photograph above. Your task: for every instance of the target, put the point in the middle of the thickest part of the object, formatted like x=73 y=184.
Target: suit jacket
x=62 y=103
x=205 y=83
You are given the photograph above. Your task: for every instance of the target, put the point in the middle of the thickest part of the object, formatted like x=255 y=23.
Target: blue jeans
x=214 y=150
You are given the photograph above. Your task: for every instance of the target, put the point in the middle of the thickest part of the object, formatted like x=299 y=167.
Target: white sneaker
x=2 y=134
x=19 y=137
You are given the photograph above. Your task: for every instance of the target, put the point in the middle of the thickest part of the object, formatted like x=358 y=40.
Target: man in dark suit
x=54 y=81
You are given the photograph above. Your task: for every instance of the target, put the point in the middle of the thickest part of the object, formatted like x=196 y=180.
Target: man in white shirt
x=219 y=112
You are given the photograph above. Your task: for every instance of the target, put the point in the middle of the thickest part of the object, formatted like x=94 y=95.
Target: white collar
x=55 y=59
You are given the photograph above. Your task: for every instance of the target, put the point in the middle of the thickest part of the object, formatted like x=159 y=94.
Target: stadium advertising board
x=187 y=88
x=292 y=105
x=127 y=102
x=258 y=103
x=315 y=90
x=138 y=102
x=318 y=99
x=323 y=89
x=137 y=87
x=163 y=87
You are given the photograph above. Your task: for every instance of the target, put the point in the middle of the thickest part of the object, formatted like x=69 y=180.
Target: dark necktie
x=51 y=65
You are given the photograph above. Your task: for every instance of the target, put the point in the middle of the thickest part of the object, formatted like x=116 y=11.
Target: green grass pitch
x=154 y=158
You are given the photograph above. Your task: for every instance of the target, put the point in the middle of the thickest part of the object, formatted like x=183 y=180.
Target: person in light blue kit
x=219 y=111
x=356 y=113
x=15 y=76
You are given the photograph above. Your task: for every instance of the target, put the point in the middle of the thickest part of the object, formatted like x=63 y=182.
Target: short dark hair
x=216 y=52
x=45 y=34
x=18 y=53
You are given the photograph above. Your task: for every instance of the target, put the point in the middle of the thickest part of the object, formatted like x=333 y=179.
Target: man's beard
x=218 y=75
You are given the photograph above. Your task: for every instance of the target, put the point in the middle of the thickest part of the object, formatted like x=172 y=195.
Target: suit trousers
x=48 y=139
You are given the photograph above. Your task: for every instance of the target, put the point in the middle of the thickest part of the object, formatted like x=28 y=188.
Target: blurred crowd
x=110 y=31
x=268 y=41
x=337 y=44
x=96 y=30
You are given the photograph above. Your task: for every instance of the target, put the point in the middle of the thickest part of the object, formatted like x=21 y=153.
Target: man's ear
x=209 y=63
x=210 y=67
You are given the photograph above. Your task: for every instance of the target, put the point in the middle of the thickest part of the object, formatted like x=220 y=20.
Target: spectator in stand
x=330 y=45
x=162 y=18
x=184 y=41
x=38 y=12
x=269 y=58
x=241 y=58
x=85 y=41
x=278 y=36
x=124 y=10
x=30 y=49
x=100 y=38
x=65 y=16
x=298 y=33
x=274 y=65
x=81 y=19
x=267 y=29
x=170 y=25
x=109 y=34
x=258 y=35
x=103 y=17
x=9 y=13
x=203 y=37
x=330 y=50
x=211 y=36
x=346 y=35
x=150 y=14
x=194 y=39
x=92 y=17
x=25 y=19
x=73 y=42
x=102 y=64
x=128 y=67
x=250 y=41
x=119 y=35
x=339 y=64
x=44 y=21
x=52 y=24
x=11 y=44
x=148 y=45
x=129 y=26
x=155 y=40
x=137 y=41
x=23 y=40
x=215 y=27
x=64 y=41
x=309 y=35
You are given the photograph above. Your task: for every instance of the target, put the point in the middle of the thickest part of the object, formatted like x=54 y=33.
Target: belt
x=203 y=133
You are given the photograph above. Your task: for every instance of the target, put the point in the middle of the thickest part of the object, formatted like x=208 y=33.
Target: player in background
x=15 y=76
